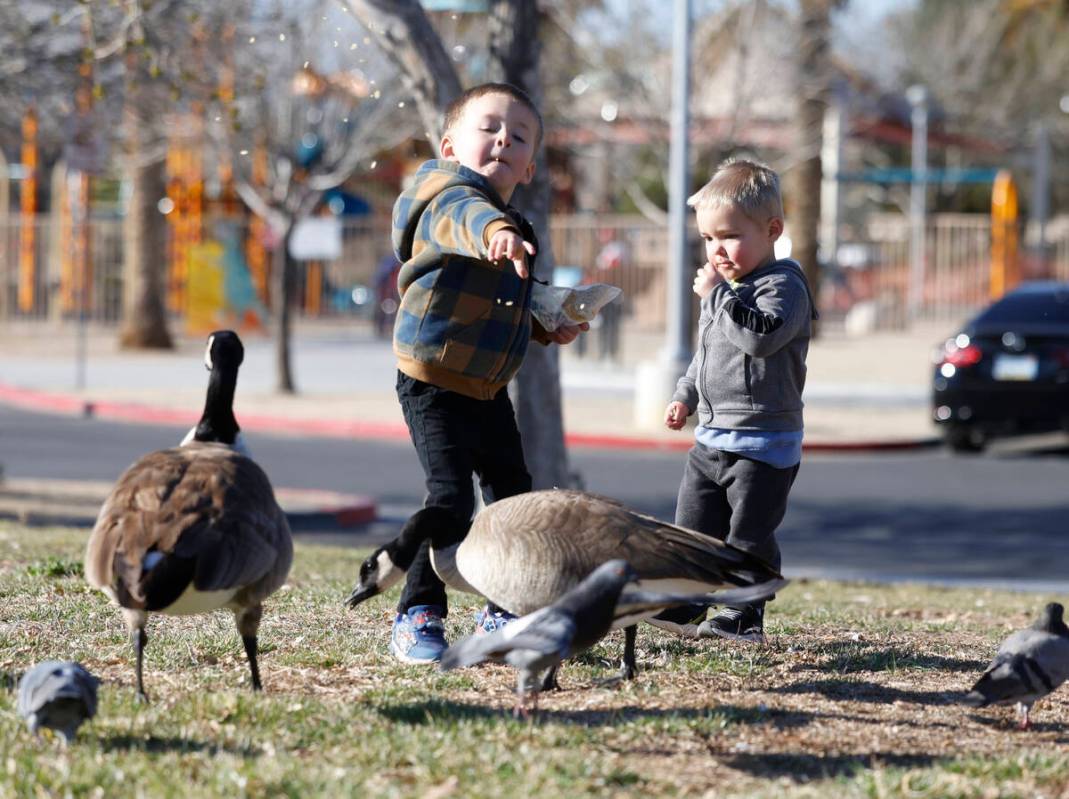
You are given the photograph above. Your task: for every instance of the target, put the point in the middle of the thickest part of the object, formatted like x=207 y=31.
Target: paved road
x=998 y=518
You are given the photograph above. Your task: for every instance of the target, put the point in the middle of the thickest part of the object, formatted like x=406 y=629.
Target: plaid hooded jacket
x=464 y=322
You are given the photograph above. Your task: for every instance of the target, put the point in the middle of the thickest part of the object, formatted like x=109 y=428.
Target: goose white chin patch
x=387 y=572
x=208 y=353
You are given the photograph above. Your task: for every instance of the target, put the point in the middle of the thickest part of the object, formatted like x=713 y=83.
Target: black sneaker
x=742 y=624
x=682 y=621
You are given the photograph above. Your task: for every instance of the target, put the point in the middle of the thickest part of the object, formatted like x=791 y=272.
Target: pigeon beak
x=360 y=594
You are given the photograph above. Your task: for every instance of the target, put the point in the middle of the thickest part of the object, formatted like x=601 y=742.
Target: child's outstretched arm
x=507 y=243
x=461 y=221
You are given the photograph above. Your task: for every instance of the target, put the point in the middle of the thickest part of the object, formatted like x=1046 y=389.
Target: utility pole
x=677 y=346
x=918 y=189
x=655 y=380
x=831 y=157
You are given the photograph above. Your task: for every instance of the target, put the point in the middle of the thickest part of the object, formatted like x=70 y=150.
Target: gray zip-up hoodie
x=749 y=368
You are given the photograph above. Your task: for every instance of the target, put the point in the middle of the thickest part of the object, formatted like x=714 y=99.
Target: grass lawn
x=855 y=695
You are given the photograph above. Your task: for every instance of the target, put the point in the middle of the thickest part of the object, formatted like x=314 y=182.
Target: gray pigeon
x=1029 y=665
x=537 y=643
x=58 y=695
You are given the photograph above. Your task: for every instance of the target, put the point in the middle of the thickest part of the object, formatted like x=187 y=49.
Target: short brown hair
x=455 y=109
x=749 y=185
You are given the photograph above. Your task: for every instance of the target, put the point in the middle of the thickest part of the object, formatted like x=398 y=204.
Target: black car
x=1007 y=371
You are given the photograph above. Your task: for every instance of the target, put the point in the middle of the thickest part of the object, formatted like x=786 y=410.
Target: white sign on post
x=316 y=238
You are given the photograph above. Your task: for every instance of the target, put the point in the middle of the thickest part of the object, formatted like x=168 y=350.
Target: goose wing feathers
x=563 y=535
x=199 y=513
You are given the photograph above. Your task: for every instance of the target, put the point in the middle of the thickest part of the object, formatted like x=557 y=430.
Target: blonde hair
x=748 y=185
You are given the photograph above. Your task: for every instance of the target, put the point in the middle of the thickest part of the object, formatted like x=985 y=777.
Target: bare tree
x=337 y=120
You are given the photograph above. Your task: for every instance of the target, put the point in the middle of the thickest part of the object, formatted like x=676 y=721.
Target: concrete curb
x=75 y=503
x=47 y=401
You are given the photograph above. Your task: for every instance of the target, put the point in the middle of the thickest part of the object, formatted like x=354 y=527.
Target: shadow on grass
x=133 y=743
x=861 y=691
x=846 y=658
x=9 y=680
x=435 y=710
x=798 y=767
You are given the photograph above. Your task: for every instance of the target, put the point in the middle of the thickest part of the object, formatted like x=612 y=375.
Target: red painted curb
x=387 y=431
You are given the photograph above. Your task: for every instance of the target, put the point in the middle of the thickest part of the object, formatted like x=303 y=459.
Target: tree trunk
x=514 y=52
x=804 y=177
x=144 y=317
x=282 y=280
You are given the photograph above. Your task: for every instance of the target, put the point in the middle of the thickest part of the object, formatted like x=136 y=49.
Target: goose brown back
x=189 y=530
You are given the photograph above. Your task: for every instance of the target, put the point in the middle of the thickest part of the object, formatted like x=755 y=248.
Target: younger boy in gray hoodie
x=745 y=380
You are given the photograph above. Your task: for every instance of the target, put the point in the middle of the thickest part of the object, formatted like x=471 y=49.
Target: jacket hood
x=431 y=179
x=792 y=265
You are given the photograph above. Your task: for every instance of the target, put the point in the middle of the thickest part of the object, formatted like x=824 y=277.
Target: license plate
x=1015 y=367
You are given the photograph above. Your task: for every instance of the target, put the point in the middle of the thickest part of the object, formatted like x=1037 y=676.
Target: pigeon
x=536 y=644
x=58 y=695
x=1030 y=664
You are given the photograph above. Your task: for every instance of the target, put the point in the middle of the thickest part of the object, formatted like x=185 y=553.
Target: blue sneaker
x=487 y=621
x=418 y=636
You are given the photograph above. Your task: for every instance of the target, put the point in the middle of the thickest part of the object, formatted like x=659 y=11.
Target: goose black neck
x=217 y=422
x=437 y=525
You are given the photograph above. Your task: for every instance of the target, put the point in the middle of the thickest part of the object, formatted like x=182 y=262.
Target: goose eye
x=367 y=568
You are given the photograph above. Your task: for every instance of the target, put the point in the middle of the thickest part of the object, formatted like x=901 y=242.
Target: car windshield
x=1025 y=307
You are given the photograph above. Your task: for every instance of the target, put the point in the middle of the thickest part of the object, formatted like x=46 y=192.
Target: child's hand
x=675 y=415
x=510 y=244
x=704 y=280
x=566 y=334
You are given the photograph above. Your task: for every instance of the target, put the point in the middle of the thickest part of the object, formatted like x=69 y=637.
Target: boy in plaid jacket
x=462 y=330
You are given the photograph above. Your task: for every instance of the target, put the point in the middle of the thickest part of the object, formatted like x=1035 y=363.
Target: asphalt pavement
x=863 y=393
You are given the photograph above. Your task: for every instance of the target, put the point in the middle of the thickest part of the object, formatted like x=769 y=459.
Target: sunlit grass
x=854 y=695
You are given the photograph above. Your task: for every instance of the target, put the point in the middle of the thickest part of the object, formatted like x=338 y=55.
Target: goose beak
x=360 y=594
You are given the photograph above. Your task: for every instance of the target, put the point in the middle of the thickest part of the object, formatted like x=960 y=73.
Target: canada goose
x=189 y=530
x=524 y=552
x=538 y=642
x=57 y=695
x=1030 y=664
x=222 y=357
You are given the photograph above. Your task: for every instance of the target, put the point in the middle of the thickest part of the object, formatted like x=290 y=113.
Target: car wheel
x=962 y=438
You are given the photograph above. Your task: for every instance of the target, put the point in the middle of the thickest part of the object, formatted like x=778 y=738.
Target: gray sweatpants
x=735 y=499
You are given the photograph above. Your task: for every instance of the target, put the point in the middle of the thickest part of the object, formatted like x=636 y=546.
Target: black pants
x=735 y=499
x=455 y=437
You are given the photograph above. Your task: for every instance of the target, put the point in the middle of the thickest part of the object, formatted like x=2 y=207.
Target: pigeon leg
x=250 y=651
x=1023 y=722
x=549 y=682
x=140 y=638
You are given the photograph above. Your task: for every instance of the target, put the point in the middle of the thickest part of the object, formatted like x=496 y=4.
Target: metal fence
x=630 y=252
